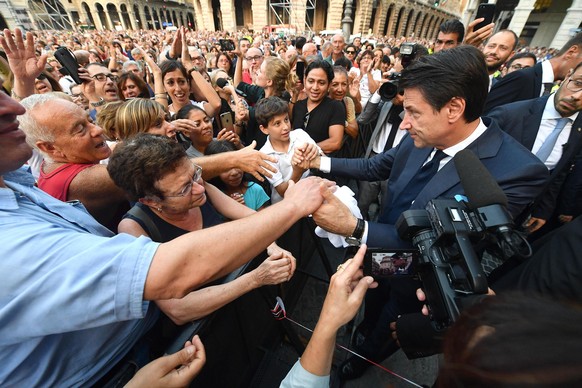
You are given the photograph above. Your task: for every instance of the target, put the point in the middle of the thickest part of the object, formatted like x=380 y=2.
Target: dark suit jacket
x=369 y=114
x=519 y=173
x=522 y=121
x=516 y=86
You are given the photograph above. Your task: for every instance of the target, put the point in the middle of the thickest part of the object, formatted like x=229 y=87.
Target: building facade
x=538 y=22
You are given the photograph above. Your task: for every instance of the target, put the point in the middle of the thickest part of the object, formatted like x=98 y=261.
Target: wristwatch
x=99 y=103
x=356 y=238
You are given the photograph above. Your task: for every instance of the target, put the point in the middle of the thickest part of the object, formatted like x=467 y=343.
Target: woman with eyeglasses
x=172 y=200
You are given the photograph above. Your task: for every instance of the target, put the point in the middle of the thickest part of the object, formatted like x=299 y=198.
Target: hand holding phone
x=226 y=45
x=486 y=11
x=67 y=59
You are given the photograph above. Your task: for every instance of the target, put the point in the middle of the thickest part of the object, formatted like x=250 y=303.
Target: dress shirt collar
x=452 y=151
x=547 y=73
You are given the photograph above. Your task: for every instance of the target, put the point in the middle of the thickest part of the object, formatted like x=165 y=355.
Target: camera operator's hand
x=534 y=224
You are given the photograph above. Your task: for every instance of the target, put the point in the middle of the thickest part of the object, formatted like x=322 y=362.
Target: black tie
x=414 y=187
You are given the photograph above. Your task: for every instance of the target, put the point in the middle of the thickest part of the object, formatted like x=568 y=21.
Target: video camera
x=445 y=234
x=408 y=53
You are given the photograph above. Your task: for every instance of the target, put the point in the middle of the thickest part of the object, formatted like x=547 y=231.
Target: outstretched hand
x=175 y=370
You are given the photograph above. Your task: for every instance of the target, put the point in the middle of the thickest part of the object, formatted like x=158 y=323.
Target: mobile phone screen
x=384 y=263
x=300 y=70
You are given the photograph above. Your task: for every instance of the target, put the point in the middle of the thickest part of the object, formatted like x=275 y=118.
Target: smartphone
x=300 y=70
x=387 y=263
x=67 y=59
x=487 y=11
x=226 y=121
x=226 y=45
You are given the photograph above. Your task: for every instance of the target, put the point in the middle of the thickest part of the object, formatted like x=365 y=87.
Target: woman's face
x=316 y=85
x=177 y=87
x=202 y=133
x=130 y=89
x=232 y=178
x=339 y=86
x=182 y=189
x=262 y=79
x=42 y=86
x=223 y=63
x=163 y=127
x=365 y=61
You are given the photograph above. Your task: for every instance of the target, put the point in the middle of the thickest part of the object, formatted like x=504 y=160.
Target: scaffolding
x=284 y=10
x=49 y=15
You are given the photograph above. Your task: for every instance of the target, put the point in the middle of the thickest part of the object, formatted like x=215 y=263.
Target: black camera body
x=448 y=266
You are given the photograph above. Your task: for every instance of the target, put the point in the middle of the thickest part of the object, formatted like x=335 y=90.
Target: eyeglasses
x=255 y=58
x=103 y=77
x=574 y=85
x=188 y=188
x=350 y=52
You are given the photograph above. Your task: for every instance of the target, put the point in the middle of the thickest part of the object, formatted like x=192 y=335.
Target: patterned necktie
x=550 y=142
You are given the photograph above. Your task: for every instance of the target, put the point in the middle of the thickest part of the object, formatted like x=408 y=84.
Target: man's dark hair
x=576 y=40
x=453 y=26
x=343 y=62
x=269 y=107
x=320 y=64
x=520 y=56
x=244 y=38
x=300 y=42
x=138 y=163
x=458 y=72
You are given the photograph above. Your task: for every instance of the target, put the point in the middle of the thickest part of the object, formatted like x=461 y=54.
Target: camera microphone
x=488 y=200
x=222 y=82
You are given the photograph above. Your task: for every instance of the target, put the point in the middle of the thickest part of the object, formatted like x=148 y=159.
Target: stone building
x=538 y=22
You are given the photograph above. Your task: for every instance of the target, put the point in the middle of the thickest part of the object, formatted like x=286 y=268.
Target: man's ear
x=456 y=108
x=49 y=149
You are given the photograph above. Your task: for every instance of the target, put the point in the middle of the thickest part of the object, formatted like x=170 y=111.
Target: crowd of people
x=125 y=186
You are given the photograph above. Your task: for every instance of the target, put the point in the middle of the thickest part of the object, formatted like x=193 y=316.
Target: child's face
x=232 y=177
x=279 y=127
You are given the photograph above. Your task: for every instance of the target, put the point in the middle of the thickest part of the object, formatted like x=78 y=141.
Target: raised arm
x=22 y=61
x=196 y=258
x=159 y=90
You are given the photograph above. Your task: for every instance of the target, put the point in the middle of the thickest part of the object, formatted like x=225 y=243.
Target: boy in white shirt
x=272 y=115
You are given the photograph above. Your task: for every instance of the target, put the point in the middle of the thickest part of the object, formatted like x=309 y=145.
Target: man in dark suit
x=443 y=100
x=444 y=96
x=532 y=122
x=538 y=80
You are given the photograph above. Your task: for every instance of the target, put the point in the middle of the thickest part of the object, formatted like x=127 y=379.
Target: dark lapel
x=486 y=146
x=532 y=121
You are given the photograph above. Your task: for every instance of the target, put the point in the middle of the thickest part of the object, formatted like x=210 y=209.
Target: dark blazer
x=519 y=173
x=522 y=121
x=516 y=86
x=367 y=117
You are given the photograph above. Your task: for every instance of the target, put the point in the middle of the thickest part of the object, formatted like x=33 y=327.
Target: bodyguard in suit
x=551 y=127
x=538 y=80
x=443 y=100
x=444 y=95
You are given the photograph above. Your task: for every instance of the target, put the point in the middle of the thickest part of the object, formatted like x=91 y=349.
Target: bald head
x=309 y=49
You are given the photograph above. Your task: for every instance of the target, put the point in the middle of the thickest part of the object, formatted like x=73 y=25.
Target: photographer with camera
x=444 y=95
